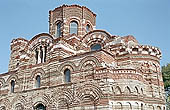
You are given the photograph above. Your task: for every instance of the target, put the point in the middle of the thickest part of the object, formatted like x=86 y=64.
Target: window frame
x=76 y=27
x=58 y=29
x=38 y=81
x=89 y=28
x=67 y=76
x=12 y=86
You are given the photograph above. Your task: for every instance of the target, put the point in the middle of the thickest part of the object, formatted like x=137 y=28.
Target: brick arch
x=12 y=77
x=2 y=82
x=136 y=90
x=38 y=71
x=52 y=106
x=63 y=97
x=2 y=108
x=38 y=98
x=35 y=73
x=117 y=90
x=158 y=108
x=37 y=103
x=48 y=102
x=18 y=106
x=119 y=106
x=89 y=92
x=127 y=90
x=19 y=99
x=96 y=36
x=76 y=19
x=51 y=99
x=88 y=22
x=128 y=106
x=151 y=107
x=89 y=58
x=6 y=103
x=136 y=106
x=67 y=65
x=37 y=39
x=57 y=21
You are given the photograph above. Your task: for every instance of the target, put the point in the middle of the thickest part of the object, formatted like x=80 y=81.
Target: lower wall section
x=83 y=96
x=89 y=95
x=134 y=105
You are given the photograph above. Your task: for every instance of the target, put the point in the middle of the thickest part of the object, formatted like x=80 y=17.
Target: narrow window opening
x=41 y=54
x=45 y=53
x=87 y=27
x=12 y=86
x=36 y=56
x=73 y=27
x=38 y=81
x=58 y=31
x=67 y=75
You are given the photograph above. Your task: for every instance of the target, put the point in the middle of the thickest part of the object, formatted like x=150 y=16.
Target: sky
x=147 y=20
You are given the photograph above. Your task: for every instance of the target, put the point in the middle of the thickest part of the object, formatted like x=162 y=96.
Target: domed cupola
x=69 y=20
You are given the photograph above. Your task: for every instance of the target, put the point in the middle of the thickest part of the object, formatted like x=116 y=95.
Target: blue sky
x=147 y=20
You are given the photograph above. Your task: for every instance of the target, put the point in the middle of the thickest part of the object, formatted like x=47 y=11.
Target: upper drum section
x=71 y=19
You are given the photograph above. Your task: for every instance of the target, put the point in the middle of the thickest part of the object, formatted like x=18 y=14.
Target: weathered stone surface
x=122 y=75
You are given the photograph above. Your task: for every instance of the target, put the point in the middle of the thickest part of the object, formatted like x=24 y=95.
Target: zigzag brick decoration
x=76 y=67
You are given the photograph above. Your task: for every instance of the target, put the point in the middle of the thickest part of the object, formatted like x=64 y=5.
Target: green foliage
x=166 y=75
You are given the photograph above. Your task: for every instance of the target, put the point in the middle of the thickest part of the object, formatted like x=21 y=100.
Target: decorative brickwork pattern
x=119 y=74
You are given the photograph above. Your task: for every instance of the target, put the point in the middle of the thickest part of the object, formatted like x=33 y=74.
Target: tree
x=166 y=75
x=166 y=79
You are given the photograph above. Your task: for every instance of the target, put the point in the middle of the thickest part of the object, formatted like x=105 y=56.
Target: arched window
x=38 y=81
x=87 y=27
x=36 y=55
x=45 y=53
x=67 y=75
x=73 y=27
x=96 y=47
x=12 y=86
x=58 y=29
x=41 y=54
x=40 y=107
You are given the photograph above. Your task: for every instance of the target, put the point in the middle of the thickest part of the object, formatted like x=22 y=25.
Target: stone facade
x=88 y=69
